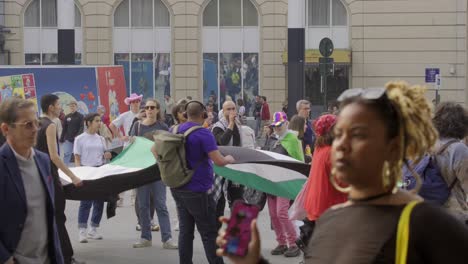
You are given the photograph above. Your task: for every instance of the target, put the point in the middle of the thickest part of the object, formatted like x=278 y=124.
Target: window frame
x=154 y=52
x=219 y=27
x=330 y=15
x=40 y=27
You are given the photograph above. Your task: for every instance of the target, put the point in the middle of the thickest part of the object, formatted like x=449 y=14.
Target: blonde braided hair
x=416 y=130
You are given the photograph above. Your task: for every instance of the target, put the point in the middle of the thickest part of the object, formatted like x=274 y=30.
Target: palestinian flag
x=261 y=170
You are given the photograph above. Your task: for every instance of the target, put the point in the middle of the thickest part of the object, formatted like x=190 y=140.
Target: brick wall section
x=14 y=22
x=187 y=70
x=97 y=26
x=399 y=39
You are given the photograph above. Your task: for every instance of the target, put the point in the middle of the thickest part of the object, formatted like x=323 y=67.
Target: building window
x=326 y=13
x=230 y=52
x=146 y=60
x=40 y=33
x=326 y=18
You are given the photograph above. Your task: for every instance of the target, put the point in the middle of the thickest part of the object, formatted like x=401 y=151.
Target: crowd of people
x=354 y=192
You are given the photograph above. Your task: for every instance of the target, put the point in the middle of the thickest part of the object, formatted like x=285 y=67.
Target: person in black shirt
x=47 y=141
x=72 y=127
x=227 y=133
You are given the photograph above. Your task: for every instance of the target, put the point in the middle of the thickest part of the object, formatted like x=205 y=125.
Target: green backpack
x=171 y=156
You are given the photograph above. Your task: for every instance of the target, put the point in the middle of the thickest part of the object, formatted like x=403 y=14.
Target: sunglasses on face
x=152 y=107
x=28 y=124
x=135 y=102
x=370 y=93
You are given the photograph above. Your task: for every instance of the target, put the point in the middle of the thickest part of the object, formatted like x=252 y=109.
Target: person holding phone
x=376 y=131
x=90 y=150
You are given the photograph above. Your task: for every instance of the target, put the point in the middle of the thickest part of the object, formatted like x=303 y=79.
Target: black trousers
x=60 y=218
x=235 y=192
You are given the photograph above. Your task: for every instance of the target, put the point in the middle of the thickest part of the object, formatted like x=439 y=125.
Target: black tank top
x=41 y=144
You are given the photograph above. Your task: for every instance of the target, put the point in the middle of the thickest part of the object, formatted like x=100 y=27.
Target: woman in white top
x=90 y=150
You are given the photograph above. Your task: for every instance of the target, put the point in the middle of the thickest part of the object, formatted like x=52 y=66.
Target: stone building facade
x=376 y=41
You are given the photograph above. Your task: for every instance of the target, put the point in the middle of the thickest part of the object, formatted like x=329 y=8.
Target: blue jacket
x=13 y=204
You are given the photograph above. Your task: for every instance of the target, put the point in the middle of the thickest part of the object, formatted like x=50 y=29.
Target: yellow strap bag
x=403 y=233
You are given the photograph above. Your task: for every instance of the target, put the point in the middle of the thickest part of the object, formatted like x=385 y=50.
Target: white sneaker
x=170 y=245
x=142 y=243
x=93 y=234
x=82 y=236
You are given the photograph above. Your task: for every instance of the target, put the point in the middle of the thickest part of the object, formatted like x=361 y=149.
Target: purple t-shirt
x=199 y=144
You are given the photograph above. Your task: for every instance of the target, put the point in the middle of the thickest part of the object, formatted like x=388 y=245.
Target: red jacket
x=265 y=111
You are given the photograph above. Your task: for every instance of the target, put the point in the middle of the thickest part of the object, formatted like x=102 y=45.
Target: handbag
x=403 y=233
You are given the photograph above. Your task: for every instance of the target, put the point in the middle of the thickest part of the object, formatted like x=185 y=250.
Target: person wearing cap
x=73 y=126
x=284 y=142
x=125 y=119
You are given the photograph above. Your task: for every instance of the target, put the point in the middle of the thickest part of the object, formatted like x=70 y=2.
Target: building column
x=296 y=53
x=66 y=32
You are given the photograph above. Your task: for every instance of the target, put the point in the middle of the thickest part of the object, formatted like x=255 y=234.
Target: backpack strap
x=190 y=130
x=439 y=152
x=403 y=232
x=445 y=146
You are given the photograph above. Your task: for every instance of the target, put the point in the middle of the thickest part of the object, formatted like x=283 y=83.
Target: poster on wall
x=112 y=90
x=22 y=86
x=142 y=78
x=68 y=83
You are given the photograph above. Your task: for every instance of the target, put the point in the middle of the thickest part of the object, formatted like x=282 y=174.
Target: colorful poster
x=68 y=83
x=112 y=90
x=22 y=86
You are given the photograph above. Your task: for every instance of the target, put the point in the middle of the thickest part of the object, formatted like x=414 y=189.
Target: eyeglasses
x=135 y=102
x=152 y=107
x=28 y=124
x=370 y=93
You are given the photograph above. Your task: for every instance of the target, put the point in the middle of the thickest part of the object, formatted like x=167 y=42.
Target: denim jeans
x=67 y=152
x=199 y=209
x=258 y=131
x=158 y=189
x=83 y=213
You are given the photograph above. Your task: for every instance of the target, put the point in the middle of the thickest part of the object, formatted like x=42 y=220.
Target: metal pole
x=325 y=93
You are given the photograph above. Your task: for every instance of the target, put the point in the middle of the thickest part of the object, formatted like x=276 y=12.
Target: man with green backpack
x=186 y=160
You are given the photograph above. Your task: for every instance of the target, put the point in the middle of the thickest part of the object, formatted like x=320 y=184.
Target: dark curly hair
x=451 y=120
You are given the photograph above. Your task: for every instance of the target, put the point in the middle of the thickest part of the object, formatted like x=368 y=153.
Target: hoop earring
x=386 y=175
x=333 y=182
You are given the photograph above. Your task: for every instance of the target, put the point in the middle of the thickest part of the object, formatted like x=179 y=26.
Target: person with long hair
x=145 y=128
x=377 y=130
x=90 y=149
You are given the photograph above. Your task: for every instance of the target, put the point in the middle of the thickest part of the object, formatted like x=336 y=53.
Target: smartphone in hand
x=238 y=232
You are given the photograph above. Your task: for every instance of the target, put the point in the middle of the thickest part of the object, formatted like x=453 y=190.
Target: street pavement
x=119 y=234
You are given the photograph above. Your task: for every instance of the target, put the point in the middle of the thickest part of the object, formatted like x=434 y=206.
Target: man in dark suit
x=28 y=232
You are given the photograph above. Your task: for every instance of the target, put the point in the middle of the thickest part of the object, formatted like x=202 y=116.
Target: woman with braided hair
x=377 y=130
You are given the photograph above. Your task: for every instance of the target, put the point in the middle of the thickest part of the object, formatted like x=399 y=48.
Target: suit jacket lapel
x=14 y=172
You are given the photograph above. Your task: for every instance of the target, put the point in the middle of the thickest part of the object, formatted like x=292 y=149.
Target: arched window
x=40 y=33
x=142 y=44
x=326 y=18
x=230 y=52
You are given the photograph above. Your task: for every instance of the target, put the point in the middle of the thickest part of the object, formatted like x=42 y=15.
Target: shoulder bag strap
x=403 y=232
x=440 y=151
x=190 y=130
